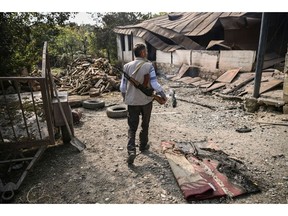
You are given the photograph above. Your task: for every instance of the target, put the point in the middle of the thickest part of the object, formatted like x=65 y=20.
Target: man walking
x=138 y=103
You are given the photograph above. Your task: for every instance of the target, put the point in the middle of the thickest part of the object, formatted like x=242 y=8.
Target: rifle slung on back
x=142 y=88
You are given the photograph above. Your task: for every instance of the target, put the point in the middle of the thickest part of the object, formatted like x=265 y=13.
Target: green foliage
x=23 y=34
x=22 y=37
x=64 y=47
x=71 y=42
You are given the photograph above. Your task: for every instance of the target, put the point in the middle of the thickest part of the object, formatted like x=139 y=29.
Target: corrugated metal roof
x=177 y=27
x=188 y=24
x=155 y=41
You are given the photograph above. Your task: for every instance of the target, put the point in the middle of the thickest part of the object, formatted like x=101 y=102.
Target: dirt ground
x=100 y=174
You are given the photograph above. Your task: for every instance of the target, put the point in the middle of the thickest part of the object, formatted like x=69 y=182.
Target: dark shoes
x=144 y=148
x=131 y=157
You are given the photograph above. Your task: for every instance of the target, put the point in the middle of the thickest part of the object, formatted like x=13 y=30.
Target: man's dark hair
x=138 y=48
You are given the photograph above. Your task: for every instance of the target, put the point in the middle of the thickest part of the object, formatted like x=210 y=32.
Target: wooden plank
x=265 y=86
x=200 y=82
x=215 y=86
x=241 y=80
x=184 y=79
x=275 y=94
x=266 y=74
x=206 y=84
x=189 y=80
x=182 y=70
x=271 y=59
x=228 y=76
x=175 y=78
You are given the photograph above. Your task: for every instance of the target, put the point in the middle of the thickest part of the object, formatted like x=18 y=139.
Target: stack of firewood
x=89 y=76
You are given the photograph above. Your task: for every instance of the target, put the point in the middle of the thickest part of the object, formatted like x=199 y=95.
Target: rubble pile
x=88 y=76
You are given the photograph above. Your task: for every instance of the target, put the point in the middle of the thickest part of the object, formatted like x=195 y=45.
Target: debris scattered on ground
x=244 y=129
x=206 y=173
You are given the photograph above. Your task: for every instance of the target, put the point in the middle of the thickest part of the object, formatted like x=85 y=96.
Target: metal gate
x=26 y=125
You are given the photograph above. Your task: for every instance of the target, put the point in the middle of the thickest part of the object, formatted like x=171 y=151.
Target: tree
x=106 y=38
x=65 y=46
x=22 y=37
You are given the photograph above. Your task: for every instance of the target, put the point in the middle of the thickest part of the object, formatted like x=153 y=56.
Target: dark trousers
x=133 y=121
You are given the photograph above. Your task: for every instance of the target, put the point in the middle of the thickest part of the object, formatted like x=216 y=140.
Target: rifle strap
x=138 y=68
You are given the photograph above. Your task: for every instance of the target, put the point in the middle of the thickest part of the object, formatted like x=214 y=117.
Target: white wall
x=181 y=57
x=163 y=57
x=206 y=59
x=231 y=59
x=209 y=60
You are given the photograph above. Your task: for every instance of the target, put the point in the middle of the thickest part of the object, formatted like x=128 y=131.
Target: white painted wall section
x=243 y=59
x=181 y=57
x=163 y=57
x=205 y=59
x=126 y=42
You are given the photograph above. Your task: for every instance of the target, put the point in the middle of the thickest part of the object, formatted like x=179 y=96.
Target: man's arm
x=154 y=83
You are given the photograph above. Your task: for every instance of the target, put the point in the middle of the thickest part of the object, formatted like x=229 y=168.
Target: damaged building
x=208 y=45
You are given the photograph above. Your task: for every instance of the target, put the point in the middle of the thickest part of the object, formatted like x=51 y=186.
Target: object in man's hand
x=174 y=101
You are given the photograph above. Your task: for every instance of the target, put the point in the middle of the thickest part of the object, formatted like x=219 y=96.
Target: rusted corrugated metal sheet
x=177 y=27
x=265 y=86
x=228 y=76
x=153 y=31
x=201 y=23
x=188 y=24
x=220 y=43
x=211 y=30
x=155 y=41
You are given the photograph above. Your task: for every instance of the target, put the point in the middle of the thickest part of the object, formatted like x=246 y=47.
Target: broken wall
x=163 y=57
x=205 y=59
x=181 y=57
x=243 y=59
x=209 y=61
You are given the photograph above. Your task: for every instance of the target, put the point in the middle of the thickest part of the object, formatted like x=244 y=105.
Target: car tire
x=117 y=111
x=93 y=104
